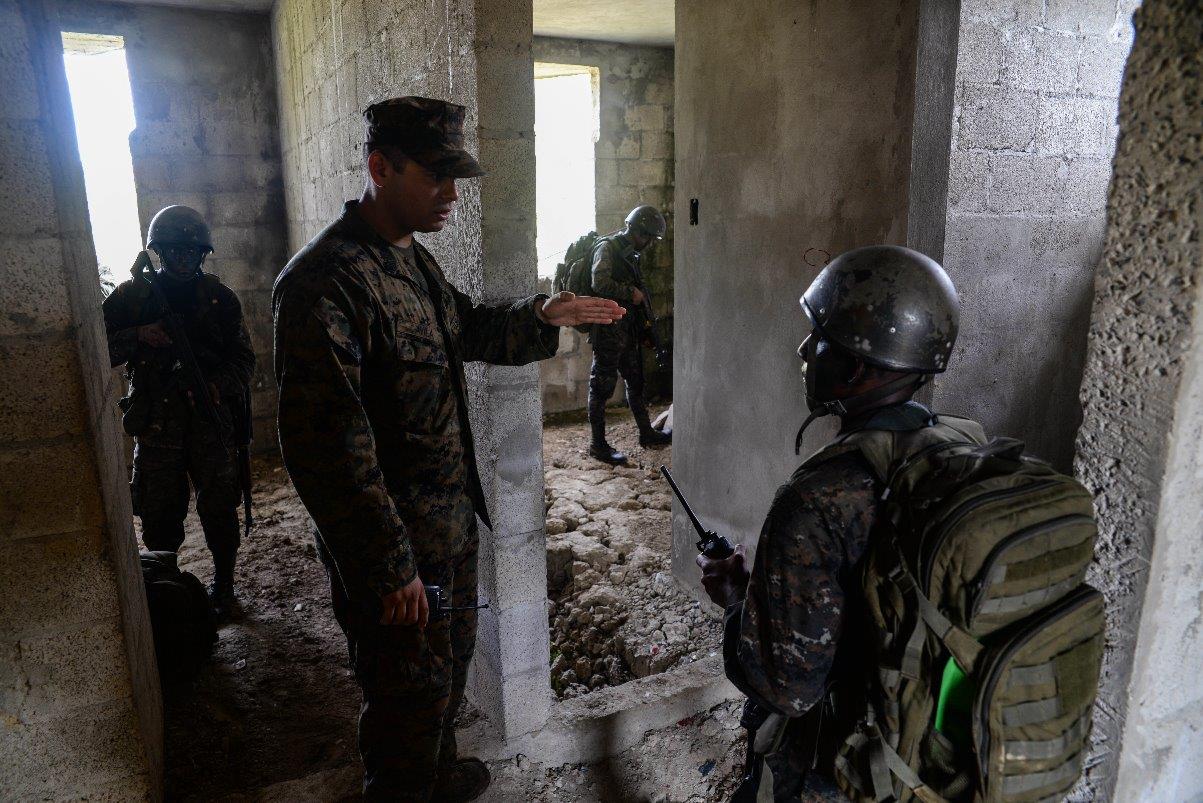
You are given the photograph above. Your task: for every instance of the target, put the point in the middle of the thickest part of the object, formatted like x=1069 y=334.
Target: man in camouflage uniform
x=792 y=627
x=173 y=440
x=618 y=349
x=371 y=340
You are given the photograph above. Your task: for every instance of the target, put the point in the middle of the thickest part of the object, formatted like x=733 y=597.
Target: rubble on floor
x=616 y=613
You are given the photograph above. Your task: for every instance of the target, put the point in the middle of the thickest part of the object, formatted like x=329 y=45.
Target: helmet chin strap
x=858 y=402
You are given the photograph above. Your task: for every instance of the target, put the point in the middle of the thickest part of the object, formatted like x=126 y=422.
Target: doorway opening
x=567 y=127
x=103 y=104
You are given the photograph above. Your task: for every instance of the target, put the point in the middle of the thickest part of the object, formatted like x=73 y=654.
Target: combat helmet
x=179 y=225
x=890 y=306
x=646 y=220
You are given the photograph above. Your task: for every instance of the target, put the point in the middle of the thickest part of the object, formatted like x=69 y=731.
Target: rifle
x=710 y=543
x=195 y=384
x=649 y=317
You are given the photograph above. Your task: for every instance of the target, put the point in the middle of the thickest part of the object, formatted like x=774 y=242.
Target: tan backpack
x=974 y=584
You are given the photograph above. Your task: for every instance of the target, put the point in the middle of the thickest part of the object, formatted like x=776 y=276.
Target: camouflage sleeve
x=119 y=330
x=233 y=376
x=505 y=335
x=327 y=441
x=780 y=642
x=604 y=284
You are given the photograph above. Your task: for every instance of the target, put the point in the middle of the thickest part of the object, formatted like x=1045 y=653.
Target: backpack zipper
x=1030 y=629
x=978 y=586
x=960 y=512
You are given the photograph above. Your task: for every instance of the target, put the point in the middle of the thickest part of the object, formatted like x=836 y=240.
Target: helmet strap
x=858 y=402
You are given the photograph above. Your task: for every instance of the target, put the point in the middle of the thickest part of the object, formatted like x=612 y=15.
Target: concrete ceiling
x=635 y=22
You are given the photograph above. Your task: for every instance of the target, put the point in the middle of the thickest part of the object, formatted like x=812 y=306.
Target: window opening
x=103 y=103
x=567 y=127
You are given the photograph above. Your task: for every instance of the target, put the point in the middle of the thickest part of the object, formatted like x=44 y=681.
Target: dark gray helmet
x=888 y=305
x=179 y=225
x=646 y=220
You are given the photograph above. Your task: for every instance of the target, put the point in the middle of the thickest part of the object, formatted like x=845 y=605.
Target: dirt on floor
x=273 y=715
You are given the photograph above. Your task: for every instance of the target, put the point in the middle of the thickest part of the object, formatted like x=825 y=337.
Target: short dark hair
x=396 y=157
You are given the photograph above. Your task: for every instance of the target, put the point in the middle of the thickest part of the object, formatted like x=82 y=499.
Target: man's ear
x=379 y=168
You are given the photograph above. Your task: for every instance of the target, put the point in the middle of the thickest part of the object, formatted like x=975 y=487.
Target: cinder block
x=659 y=91
x=646 y=118
x=1101 y=71
x=41 y=396
x=628 y=148
x=1042 y=60
x=997 y=118
x=93 y=747
x=1084 y=16
x=56 y=672
x=1077 y=126
x=606 y=172
x=509 y=188
x=52 y=583
x=1003 y=12
x=26 y=191
x=35 y=297
x=48 y=489
x=169 y=138
x=1087 y=185
x=657 y=145
x=21 y=98
x=644 y=173
x=246 y=208
x=980 y=53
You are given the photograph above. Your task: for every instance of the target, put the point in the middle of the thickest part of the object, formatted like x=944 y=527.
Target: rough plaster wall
x=333 y=60
x=634 y=165
x=795 y=150
x=1034 y=131
x=1138 y=447
x=206 y=136
x=80 y=711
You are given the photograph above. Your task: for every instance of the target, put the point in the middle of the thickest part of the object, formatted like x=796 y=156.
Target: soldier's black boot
x=465 y=779
x=221 y=590
x=599 y=448
x=647 y=435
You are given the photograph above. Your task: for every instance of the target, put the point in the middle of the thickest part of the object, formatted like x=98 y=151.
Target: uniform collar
x=393 y=260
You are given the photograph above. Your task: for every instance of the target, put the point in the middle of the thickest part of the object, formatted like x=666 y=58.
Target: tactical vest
x=987 y=643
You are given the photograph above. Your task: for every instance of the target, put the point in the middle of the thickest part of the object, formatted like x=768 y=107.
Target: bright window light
x=567 y=124
x=98 y=78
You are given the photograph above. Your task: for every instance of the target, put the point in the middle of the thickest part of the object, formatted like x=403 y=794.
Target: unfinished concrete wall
x=204 y=99
x=1036 y=94
x=80 y=712
x=1138 y=448
x=795 y=150
x=334 y=61
x=634 y=165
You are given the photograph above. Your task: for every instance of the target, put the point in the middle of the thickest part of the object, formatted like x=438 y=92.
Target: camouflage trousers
x=160 y=492
x=412 y=681
x=616 y=350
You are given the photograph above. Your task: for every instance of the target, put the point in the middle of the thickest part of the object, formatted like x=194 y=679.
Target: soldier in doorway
x=177 y=436
x=371 y=341
x=618 y=349
x=795 y=623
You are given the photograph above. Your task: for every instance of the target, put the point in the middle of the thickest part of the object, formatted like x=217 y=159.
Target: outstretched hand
x=567 y=309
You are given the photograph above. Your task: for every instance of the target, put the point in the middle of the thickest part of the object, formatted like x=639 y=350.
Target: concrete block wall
x=333 y=60
x=207 y=136
x=80 y=710
x=1034 y=129
x=1138 y=447
x=634 y=165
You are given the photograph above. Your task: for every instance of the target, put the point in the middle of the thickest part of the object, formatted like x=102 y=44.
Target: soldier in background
x=618 y=349
x=370 y=345
x=174 y=441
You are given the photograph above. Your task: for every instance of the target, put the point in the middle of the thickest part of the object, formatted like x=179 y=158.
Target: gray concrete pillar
x=1138 y=447
x=80 y=711
x=332 y=62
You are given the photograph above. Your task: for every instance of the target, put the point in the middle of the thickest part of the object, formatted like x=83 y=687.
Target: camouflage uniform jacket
x=212 y=318
x=615 y=268
x=373 y=410
x=801 y=617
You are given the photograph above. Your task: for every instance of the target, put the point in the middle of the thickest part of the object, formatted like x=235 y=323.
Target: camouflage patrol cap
x=429 y=131
x=888 y=305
